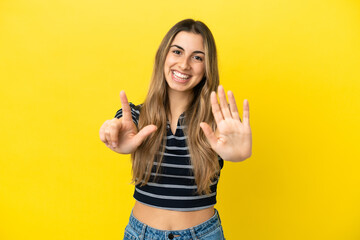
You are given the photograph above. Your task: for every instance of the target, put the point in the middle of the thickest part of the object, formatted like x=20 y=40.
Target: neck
x=179 y=102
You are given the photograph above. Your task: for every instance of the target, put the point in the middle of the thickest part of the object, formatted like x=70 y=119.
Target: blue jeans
x=209 y=230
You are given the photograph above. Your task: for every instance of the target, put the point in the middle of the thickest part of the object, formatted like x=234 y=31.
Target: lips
x=180 y=77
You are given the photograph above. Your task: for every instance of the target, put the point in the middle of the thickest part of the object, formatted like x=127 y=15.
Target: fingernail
x=114 y=144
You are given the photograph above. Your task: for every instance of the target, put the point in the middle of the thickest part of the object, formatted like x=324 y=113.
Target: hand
x=121 y=135
x=233 y=139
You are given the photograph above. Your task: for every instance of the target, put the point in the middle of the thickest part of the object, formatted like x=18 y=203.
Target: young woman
x=178 y=139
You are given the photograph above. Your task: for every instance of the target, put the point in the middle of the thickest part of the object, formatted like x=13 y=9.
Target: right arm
x=121 y=135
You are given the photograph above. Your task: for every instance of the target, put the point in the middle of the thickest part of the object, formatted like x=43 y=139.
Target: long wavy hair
x=156 y=107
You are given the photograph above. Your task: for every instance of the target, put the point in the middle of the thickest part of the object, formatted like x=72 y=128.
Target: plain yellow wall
x=63 y=64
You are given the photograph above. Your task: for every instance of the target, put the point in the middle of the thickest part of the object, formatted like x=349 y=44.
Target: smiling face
x=184 y=65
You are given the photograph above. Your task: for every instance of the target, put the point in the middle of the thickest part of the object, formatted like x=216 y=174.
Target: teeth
x=180 y=75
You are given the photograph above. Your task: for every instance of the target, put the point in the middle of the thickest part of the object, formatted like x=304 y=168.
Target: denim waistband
x=145 y=231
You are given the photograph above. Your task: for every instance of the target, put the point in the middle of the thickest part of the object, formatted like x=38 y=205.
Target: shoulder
x=221 y=162
x=135 y=112
x=135 y=108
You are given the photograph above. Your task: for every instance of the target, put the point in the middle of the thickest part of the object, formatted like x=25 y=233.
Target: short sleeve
x=135 y=113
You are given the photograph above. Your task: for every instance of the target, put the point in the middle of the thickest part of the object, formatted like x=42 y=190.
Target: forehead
x=189 y=41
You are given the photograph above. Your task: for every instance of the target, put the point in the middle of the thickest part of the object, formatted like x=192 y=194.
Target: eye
x=198 y=58
x=177 y=52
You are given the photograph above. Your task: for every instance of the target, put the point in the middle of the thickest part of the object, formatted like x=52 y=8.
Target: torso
x=170 y=220
x=172 y=214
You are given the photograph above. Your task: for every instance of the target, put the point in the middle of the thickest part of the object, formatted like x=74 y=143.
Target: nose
x=184 y=64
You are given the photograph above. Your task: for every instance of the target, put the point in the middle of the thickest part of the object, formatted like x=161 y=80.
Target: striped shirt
x=175 y=188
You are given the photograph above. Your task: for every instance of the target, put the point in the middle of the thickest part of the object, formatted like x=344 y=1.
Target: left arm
x=232 y=140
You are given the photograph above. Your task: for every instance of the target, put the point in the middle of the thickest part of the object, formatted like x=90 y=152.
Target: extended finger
x=126 y=112
x=143 y=133
x=209 y=134
x=246 y=112
x=233 y=106
x=223 y=103
x=216 y=108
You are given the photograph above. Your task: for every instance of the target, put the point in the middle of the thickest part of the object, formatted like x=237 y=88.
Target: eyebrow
x=184 y=50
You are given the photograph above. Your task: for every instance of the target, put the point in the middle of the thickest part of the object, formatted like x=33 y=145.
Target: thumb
x=209 y=134
x=144 y=133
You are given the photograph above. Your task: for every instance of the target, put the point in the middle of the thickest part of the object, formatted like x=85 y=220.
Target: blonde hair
x=156 y=106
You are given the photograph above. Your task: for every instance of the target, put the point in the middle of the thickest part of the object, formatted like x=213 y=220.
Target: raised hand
x=121 y=135
x=232 y=140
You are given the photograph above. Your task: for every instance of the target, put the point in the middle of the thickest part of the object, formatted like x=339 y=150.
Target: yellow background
x=63 y=64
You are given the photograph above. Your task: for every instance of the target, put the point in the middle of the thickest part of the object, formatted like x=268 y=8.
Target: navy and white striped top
x=175 y=186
